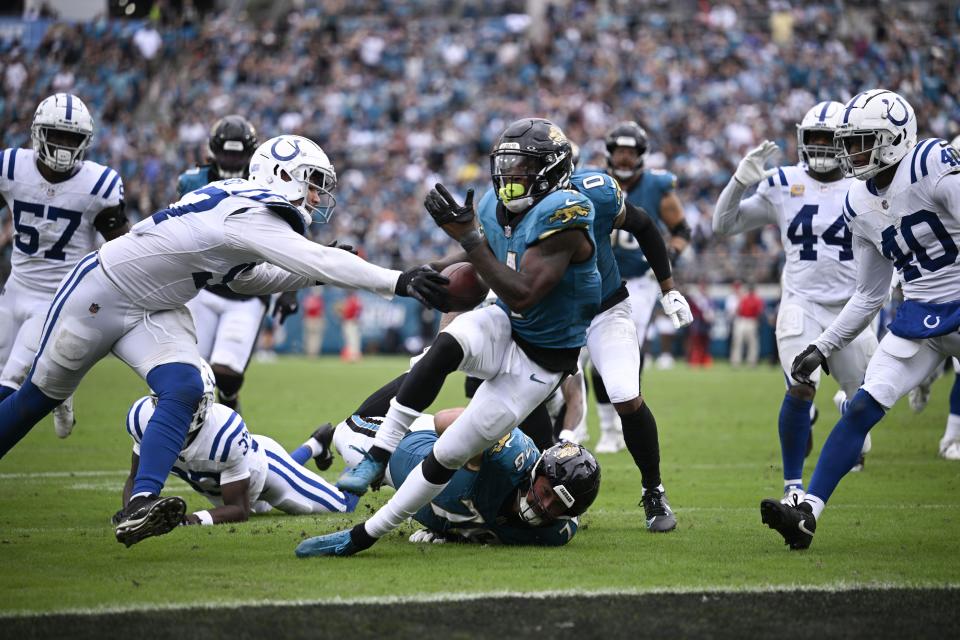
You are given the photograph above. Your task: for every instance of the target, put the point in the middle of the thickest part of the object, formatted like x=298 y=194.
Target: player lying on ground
x=904 y=212
x=59 y=203
x=128 y=298
x=240 y=472
x=805 y=201
x=508 y=494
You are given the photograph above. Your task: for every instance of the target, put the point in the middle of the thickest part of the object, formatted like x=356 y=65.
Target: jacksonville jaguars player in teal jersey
x=228 y=322
x=653 y=191
x=612 y=339
x=538 y=254
x=503 y=495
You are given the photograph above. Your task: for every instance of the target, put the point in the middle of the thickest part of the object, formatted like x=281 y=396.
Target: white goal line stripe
x=429 y=598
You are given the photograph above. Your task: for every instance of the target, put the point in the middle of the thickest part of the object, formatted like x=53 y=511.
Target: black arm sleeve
x=639 y=223
x=111 y=219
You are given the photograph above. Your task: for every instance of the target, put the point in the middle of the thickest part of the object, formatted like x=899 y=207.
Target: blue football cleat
x=361 y=477
x=332 y=544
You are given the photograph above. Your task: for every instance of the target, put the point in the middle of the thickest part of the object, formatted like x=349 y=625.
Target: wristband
x=471 y=240
x=205 y=518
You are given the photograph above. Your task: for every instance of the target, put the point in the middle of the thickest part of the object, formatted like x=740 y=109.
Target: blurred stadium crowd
x=401 y=95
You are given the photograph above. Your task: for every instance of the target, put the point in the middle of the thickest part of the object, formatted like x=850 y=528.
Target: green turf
x=897 y=523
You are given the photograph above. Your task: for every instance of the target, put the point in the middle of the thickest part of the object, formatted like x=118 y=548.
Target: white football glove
x=750 y=171
x=425 y=536
x=675 y=306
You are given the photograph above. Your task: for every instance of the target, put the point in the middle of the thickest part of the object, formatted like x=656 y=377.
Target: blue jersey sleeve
x=605 y=193
x=665 y=180
x=560 y=211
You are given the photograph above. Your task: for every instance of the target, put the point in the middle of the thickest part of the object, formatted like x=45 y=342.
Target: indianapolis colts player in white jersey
x=59 y=202
x=806 y=202
x=904 y=212
x=238 y=472
x=129 y=298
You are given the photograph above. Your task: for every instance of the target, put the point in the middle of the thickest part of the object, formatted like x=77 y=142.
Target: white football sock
x=414 y=493
x=953 y=428
x=315 y=447
x=609 y=420
x=395 y=425
x=816 y=503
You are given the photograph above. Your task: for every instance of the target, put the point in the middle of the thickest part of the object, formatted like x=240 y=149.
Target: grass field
x=896 y=525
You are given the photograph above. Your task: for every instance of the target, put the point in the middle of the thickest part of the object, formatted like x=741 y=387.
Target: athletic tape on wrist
x=205 y=518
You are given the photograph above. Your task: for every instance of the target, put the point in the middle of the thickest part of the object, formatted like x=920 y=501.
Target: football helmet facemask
x=626 y=134
x=231 y=143
x=61 y=132
x=821 y=118
x=293 y=167
x=875 y=130
x=531 y=160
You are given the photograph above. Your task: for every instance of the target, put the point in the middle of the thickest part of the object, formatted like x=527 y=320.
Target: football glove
x=676 y=306
x=346 y=247
x=806 y=363
x=285 y=305
x=426 y=536
x=750 y=171
x=426 y=285
x=444 y=209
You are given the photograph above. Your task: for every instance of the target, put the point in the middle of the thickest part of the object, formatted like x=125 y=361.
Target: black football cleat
x=324 y=435
x=796 y=524
x=147 y=516
x=659 y=515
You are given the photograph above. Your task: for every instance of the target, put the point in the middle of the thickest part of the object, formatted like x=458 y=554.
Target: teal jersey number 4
x=560 y=319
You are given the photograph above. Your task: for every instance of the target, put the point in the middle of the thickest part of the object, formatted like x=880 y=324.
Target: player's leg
x=475 y=342
x=848 y=367
x=949 y=447
x=233 y=345
x=292 y=488
x=318 y=446
x=796 y=328
x=205 y=309
x=896 y=367
x=614 y=349
x=161 y=347
x=499 y=404
x=84 y=320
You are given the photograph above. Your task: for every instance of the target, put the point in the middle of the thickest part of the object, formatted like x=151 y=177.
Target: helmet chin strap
x=527 y=513
x=518 y=205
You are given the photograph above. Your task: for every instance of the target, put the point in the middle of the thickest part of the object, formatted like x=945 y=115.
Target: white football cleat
x=63 y=418
x=793 y=496
x=610 y=442
x=950 y=449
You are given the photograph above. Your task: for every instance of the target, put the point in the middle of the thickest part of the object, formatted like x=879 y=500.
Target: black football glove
x=806 y=363
x=426 y=285
x=346 y=247
x=285 y=305
x=444 y=209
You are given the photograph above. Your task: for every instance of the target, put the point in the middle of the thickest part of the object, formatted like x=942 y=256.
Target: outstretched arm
x=236 y=505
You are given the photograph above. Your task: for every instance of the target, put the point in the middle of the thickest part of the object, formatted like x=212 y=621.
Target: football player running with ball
x=128 y=298
x=805 y=201
x=59 y=203
x=538 y=254
x=904 y=212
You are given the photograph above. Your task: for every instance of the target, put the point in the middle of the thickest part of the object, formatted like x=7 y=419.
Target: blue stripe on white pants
x=306 y=491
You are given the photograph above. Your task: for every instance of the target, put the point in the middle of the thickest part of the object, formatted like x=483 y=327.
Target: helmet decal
x=906 y=112
x=296 y=149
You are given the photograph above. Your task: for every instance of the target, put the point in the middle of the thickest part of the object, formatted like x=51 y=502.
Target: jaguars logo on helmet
x=573 y=473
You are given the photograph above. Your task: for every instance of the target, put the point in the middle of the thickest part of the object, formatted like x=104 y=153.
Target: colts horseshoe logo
x=928 y=324
x=293 y=143
x=906 y=112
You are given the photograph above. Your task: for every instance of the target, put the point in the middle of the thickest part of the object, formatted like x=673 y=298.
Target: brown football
x=466 y=290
